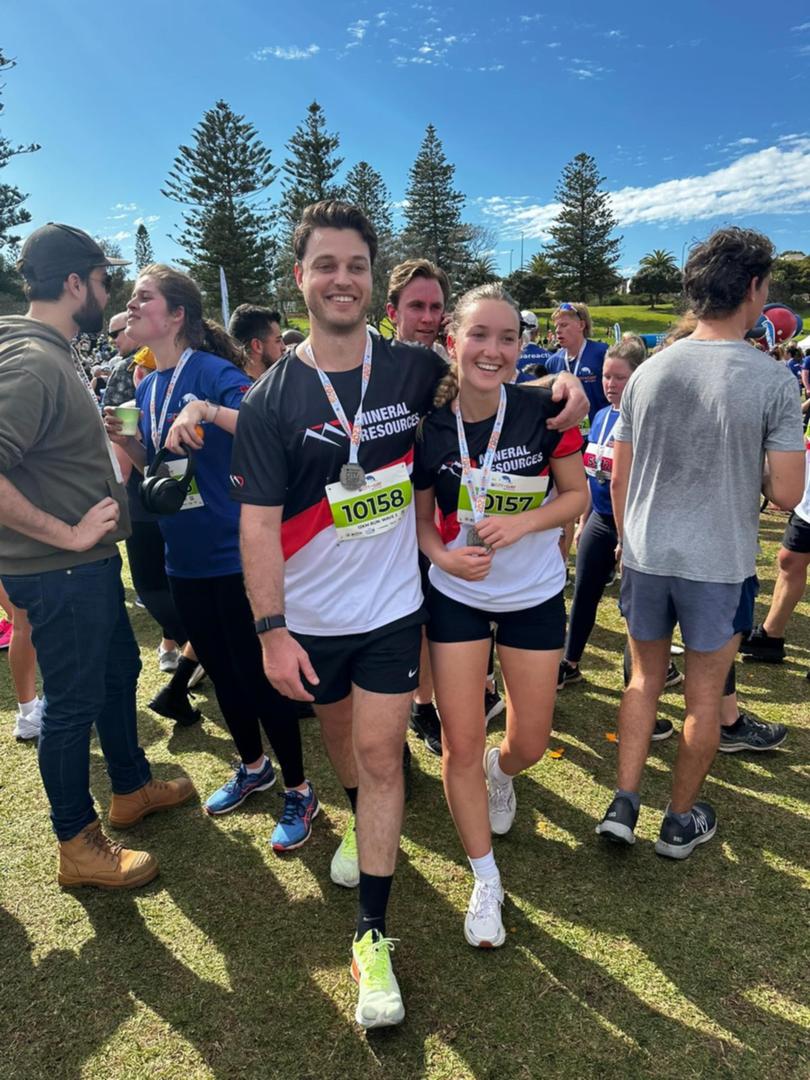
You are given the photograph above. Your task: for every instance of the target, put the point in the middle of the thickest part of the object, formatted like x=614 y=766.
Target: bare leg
x=22 y=657
x=787 y=592
x=379 y=727
x=424 y=691
x=460 y=670
x=650 y=660
x=705 y=676
x=336 y=732
x=532 y=680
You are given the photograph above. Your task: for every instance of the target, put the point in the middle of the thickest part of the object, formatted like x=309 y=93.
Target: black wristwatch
x=269 y=622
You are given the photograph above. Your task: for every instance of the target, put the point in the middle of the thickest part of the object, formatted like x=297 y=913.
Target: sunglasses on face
x=114 y=333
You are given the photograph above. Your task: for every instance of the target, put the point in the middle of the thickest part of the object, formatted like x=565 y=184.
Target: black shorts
x=539 y=628
x=383 y=661
x=797 y=535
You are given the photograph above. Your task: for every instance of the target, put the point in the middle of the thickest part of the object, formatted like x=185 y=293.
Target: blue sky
x=698 y=114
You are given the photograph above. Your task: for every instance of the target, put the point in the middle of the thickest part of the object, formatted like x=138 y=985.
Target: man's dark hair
x=332 y=214
x=52 y=288
x=250 y=321
x=719 y=271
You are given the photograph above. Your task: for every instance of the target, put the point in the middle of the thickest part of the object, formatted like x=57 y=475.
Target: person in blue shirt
x=794 y=363
x=190 y=404
x=578 y=354
x=531 y=354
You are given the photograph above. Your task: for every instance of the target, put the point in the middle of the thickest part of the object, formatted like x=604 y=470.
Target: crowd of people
x=374 y=521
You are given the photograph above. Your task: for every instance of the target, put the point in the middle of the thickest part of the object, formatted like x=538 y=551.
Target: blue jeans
x=90 y=663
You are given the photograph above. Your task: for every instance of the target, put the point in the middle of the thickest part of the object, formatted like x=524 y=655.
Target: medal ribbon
x=354 y=431
x=577 y=362
x=478 y=497
x=157 y=428
x=602 y=439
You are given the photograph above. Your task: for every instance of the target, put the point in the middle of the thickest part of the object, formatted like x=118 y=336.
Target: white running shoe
x=168 y=659
x=483 y=926
x=345 y=868
x=502 y=802
x=29 y=727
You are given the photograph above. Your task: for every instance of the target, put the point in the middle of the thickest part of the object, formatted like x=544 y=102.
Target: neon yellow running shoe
x=345 y=869
x=380 y=1000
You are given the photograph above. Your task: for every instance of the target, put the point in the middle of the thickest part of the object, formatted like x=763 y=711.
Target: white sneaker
x=502 y=802
x=345 y=868
x=168 y=659
x=483 y=927
x=29 y=727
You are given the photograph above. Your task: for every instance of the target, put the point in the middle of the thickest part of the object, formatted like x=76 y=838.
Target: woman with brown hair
x=190 y=404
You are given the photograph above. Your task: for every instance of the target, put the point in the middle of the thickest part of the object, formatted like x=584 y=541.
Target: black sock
x=374 y=892
x=351 y=795
x=735 y=726
x=185 y=669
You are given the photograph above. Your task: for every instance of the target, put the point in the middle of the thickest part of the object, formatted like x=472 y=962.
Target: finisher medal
x=352 y=476
x=474 y=539
x=601 y=476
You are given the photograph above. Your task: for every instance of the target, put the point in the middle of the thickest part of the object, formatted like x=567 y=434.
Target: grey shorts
x=709 y=613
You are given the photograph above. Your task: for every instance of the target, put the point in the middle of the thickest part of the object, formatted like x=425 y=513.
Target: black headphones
x=165 y=494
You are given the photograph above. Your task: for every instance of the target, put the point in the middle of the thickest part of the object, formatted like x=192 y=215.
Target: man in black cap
x=62 y=510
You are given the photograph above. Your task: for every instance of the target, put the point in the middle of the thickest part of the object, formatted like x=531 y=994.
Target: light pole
x=511 y=250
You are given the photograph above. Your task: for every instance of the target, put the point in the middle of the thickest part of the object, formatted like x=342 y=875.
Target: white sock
x=258 y=768
x=496 y=773
x=25 y=708
x=485 y=868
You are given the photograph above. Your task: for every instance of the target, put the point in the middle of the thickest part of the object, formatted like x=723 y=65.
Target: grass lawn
x=234 y=963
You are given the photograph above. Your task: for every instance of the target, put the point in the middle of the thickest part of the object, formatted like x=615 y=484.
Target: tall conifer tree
x=583 y=253
x=143 y=247
x=433 y=211
x=219 y=178
x=12 y=211
x=310 y=167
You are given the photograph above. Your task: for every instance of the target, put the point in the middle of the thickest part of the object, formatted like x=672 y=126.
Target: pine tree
x=310 y=167
x=143 y=247
x=121 y=277
x=366 y=189
x=219 y=177
x=433 y=211
x=583 y=254
x=12 y=212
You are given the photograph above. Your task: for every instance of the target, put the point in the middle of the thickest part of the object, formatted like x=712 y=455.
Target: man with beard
x=63 y=508
x=258 y=331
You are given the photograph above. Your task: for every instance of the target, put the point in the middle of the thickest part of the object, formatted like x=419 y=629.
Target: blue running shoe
x=295 y=824
x=237 y=789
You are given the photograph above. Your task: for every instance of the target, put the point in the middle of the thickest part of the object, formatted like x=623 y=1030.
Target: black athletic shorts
x=539 y=628
x=797 y=535
x=383 y=661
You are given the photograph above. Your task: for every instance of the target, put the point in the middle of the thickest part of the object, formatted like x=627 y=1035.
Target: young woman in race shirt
x=493 y=486
x=198 y=382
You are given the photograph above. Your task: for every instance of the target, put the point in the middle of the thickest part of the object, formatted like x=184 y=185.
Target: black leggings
x=220 y=629
x=596 y=561
x=147 y=563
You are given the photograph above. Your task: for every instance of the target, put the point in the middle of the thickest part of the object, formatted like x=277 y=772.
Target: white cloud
x=800 y=29
x=745 y=141
x=530 y=18
x=125 y=206
x=617 y=35
x=119 y=236
x=280 y=52
x=553 y=44
x=150 y=219
x=117 y=217
x=492 y=67
x=773 y=180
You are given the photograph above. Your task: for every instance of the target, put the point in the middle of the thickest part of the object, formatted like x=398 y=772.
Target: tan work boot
x=91 y=858
x=126 y=810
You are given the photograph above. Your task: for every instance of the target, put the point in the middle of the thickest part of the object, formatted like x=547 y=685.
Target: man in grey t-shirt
x=705 y=426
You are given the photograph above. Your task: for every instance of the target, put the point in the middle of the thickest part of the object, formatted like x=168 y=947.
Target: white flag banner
x=223 y=289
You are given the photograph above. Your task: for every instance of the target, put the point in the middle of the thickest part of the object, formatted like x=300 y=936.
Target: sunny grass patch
x=234 y=963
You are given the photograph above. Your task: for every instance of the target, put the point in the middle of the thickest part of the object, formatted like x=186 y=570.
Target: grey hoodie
x=52 y=445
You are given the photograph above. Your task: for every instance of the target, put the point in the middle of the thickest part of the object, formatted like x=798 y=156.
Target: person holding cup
x=190 y=404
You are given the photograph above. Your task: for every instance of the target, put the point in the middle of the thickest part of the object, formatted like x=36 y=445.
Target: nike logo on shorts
x=412 y=673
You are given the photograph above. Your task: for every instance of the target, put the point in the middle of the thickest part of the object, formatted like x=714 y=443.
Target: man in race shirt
x=578 y=354
x=330 y=557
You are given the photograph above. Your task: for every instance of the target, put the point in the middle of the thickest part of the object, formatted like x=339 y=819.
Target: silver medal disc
x=601 y=476
x=474 y=538
x=352 y=476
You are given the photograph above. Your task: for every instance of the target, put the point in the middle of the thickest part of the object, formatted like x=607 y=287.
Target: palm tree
x=661 y=261
x=657 y=273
